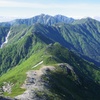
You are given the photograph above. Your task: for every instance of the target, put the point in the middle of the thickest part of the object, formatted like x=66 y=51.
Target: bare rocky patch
x=34 y=84
x=7 y=87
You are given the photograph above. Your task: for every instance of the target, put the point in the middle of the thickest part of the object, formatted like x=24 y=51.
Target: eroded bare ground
x=34 y=83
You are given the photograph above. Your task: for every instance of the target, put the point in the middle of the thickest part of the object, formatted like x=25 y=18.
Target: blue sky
x=30 y=8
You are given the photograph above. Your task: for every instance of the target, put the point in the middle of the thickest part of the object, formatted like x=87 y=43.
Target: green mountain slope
x=37 y=62
x=82 y=38
x=73 y=78
x=14 y=53
x=85 y=38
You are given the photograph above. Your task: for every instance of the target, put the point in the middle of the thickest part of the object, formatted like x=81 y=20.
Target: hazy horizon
x=77 y=9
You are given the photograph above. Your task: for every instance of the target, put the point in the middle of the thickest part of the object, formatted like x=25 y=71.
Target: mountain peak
x=84 y=20
x=44 y=19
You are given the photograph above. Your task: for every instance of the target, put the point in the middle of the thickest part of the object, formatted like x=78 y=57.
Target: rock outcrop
x=35 y=84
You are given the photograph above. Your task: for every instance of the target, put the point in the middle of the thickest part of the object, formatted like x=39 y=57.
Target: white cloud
x=68 y=9
x=8 y=3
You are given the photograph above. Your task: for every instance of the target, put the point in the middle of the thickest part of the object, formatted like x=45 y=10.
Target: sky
x=29 y=8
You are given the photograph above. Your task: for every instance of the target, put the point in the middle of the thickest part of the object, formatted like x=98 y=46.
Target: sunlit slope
x=76 y=82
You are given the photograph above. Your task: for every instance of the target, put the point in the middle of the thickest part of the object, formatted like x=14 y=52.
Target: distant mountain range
x=7 y=18
x=47 y=19
x=81 y=36
x=50 y=57
x=44 y=19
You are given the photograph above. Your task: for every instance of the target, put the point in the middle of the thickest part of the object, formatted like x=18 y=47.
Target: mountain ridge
x=75 y=35
x=58 y=46
x=70 y=71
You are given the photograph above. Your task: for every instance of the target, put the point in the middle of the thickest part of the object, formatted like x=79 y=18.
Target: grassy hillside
x=80 y=37
x=78 y=83
x=14 y=53
x=73 y=77
x=17 y=75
